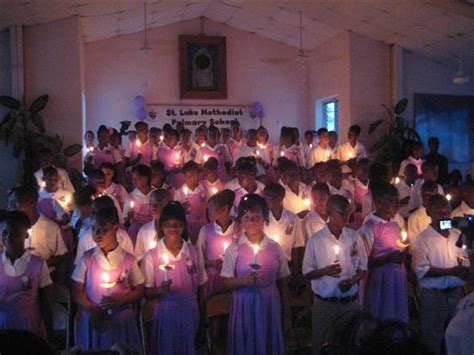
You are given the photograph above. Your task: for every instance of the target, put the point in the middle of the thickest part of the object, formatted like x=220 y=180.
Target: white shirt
x=347 y=151
x=293 y=153
x=415 y=199
x=231 y=254
x=318 y=154
x=137 y=196
x=147 y=238
x=459 y=339
x=46 y=240
x=113 y=260
x=462 y=210
x=404 y=190
x=86 y=242
x=431 y=249
x=120 y=195
x=343 y=192
x=246 y=151
x=313 y=223
x=410 y=160
x=64 y=181
x=286 y=231
x=297 y=203
x=19 y=267
x=60 y=196
x=148 y=266
x=320 y=253
x=194 y=153
x=417 y=223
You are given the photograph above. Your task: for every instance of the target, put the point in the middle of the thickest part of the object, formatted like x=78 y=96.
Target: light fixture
x=301 y=56
x=145 y=46
x=460 y=77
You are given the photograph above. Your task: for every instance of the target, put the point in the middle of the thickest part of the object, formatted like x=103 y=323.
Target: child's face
x=320 y=175
x=157 y=177
x=13 y=238
x=438 y=213
x=274 y=202
x=103 y=138
x=332 y=139
x=418 y=153
x=291 y=176
x=171 y=140
x=173 y=228
x=426 y=195
x=217 y=212
x=191 y=178
x=157 y=204
x=335 y=178
x=155 y=136
x=308 y=138
x=103 y=233
x=262 y=135
x=245 y=178
x=109 y=175
x=225 y=135
x=211 y=175
x=252 y=140
x=98 y=183
x=388 y=205
x=320 y=201
x=362 y=172
x=235 y=130
x=252 y=222
x=340 y=218
x=430 y=174
x=115 y=141
x=286 y=141
x=200 y=137
x=139 y=181
x=213 y=137
x=89 y=137
x=186 y=137
x=411 y=174
x=324 y=138
x=46 y=160
x=52 y=182
x=352 y=137
x=142 y=134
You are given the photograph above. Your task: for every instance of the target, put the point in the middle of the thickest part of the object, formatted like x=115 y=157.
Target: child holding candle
x=213 y=149
x=141 y=149
x=190 y=151
x=107 y=284
x=137 y=205
x=419 y=219
x=211 y=182
x=250 y=149
x=268 y=149
x=54 y=202
x=24 y=279
x=237 y=140
x=467 y=204
x=112 y=188
x=46 y=159
x=297 y=196
x=288 y=149
x=102 y=153
x=317 y=218
x=83 y=201
x=172 y=157
x=259 y=293
x=386 y=289
x=436 y=262
x=322 y=151
x=173 y=277
x=329 y=264
x=430 y=173
x=193 y=196
x=353 y=148
x=414 y=158
x=147 y=237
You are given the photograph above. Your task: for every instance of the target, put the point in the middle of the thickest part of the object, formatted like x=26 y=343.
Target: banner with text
x=194 y=116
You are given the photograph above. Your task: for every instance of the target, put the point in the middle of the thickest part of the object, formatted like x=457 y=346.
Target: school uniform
x=347 y=151
x=297 y=203
x=64 y=181
x=418 y=221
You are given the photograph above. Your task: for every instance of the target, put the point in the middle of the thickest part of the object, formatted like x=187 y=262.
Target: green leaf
x=7 y=118
x=72 y=150
x=378 y=145
x=38 y=121
x=39 y=104
x=373 y=126
x=400 y=106
x=10 y=102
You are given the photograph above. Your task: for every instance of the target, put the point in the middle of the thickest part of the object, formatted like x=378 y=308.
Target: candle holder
x=167 y=268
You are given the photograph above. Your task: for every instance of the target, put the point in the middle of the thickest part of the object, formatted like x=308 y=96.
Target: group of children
x=178 y=221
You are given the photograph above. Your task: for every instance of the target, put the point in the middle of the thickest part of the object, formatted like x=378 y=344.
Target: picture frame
x=202 y=67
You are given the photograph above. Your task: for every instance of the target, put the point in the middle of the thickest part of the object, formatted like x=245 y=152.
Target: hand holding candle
x=166 y=267
x=108 y=285
x=337 y=249
x=138 y=143
x=448 y=197
x=402 y=243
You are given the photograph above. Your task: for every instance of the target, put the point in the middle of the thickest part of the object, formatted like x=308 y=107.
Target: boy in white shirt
x=317 y=218
x=297 y=194
x=328 y=263
x=46 y=160
x=419 y=219
x=353 y=148
x=321 y=152
x=441 y=271
x=414 y=158
x=430 y=173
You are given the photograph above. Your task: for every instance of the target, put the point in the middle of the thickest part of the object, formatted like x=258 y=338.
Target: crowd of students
x=176 y=218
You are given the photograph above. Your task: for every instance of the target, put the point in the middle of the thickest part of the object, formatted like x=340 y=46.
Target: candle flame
x=351 y=155
x=255 y=249
x=276 y=238
x=162 y=138
x=203 y=145
x=311 y=145
x=448 y=197
x=282 y=154
x=105 y=277
x=132 y=204
x=261 y=146
x=154 y=243
x=90 y=149
x=67 y=199
x=43 y=184
x=307 y=202
x=464 y=246
x=397 y=180
x=214 y=190
x=30 y=231
x=336 y=250
x=404 y=236
x=328 y=153
x=138 y=143
x=166 y=259
x=257 y=152
x=226 y=244
x=185 y=190
x=177 y=155
x=206 y=157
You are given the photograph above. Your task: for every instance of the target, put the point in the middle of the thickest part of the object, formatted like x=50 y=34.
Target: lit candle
x=203 y=145
x=351 y=155
x=90 y=149
x=177 y=155
x=166 y=260
x=257 y=152
x=206 y=157
x=29 y=232
x=404 y=236
x=214 y=190
x=276 y=238
x=67 y=199
x=328 y=153
x=397 y=180
x=42 y=184
x=336 y=252
x=282 y=154
x=311 y=145
x=162 y=137
x=108 y=285
x=177 y=158
x=307 y=202
x=185 y=189
x=448 y=197
x=261 y=146
x=132 y=204
x=138 y=143
x=226 y=244
x=255 y=252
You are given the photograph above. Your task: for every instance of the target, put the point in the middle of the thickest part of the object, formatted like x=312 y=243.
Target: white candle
x=185 y=190
x=214 y=190
x=107 y=285
x=138 y=143
x=226 y=244
x=166 y=260
x=397 y=180
x=448 y=197
x=336 y=252
x=255 y=252
x=311 y=145
x=203 y=145
x=282 y=154
x=42 y=184
x=162 y=138
x=404 y=236
x=307 y=202
x=132 y=204
x=206 y=157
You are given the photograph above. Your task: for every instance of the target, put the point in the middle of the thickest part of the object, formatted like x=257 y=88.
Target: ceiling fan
x=460 y=77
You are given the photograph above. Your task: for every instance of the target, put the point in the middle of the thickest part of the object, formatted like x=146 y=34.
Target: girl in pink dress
x=102 y=153
x=360 y=188
x=256 y=270
x=193 y=196
x=141 y=148
x=237 y=140
x=211 y=182
x=24 y=279
x=107 y=285
x=112 y=188
x=137 y=205
x=172 y=157
x=158 y=177
x=213 y=149
x=386 y=291
x=173 y=277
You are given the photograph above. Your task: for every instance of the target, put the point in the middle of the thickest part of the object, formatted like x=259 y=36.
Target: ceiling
x=427 y=27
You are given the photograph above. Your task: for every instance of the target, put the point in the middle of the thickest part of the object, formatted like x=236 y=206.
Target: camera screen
x=445 y=224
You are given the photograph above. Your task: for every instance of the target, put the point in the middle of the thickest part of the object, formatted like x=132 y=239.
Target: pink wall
x=52 y=66
x=258 y=69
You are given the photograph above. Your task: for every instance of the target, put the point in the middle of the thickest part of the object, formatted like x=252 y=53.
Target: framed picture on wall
x=202 y=67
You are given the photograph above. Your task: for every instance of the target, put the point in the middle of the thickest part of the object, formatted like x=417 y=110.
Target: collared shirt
x=19 y=267
x=64 y=181
x=462 y=210
x=231 y=253
x=137 y=196
x=246 y=151
x=147 y=238
x=404 y=190
x=60 y=196
x=293 y=153
x=320 y=252
x=112 y=260
x=431 y=249
x=286 y=231
x=415 y=198
x=148 y=266
x=411 y=160
x=417 y=223
x=45 y=239
x=193 y=153
x=117 y=191
x=319 y=154
x=347 y=151
x=313 y=223
x=86 y=242
x=343 y=192
x=296 y=202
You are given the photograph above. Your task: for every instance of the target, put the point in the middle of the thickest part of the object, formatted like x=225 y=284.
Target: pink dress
x=172 y=158
x=196 y=212
x=234 y=146
x=221 y=153
x=102 y=156
x=145 y=149
x=141 y=216
x=386 y=290
x=255 y=325
x=176 y=314
x=19 y=302
x=360 y=190
x=120 y=326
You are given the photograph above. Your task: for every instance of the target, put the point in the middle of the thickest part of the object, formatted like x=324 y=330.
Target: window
x=331 y=114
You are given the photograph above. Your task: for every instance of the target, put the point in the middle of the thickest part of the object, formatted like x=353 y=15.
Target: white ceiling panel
x=220 y=12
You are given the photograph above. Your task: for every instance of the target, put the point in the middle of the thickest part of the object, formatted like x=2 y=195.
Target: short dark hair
x=15 y=219
x=355 y=129
x=254 y=203
x=191 y=166
x=83 y=197
x=174 y=210
x=26 y=193
x=274 y=190
x=321 y=187
x=143 y=170
x=223 y=198
x=107 y=214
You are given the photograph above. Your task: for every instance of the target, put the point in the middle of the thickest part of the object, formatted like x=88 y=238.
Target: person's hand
x=109 y=302
x=248 y=279
x=345 y=285
x=165 y=287
x=217 y=264
x=333 y=270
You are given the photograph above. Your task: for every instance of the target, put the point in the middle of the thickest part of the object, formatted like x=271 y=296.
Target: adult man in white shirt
x=329 y=264
x=353 y=148
x=441 y=269
x=419 y=219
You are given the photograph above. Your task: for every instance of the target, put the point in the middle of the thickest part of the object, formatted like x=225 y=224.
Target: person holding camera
x=441 y=267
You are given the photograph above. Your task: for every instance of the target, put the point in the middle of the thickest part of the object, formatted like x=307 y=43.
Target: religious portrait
x=202 y=67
